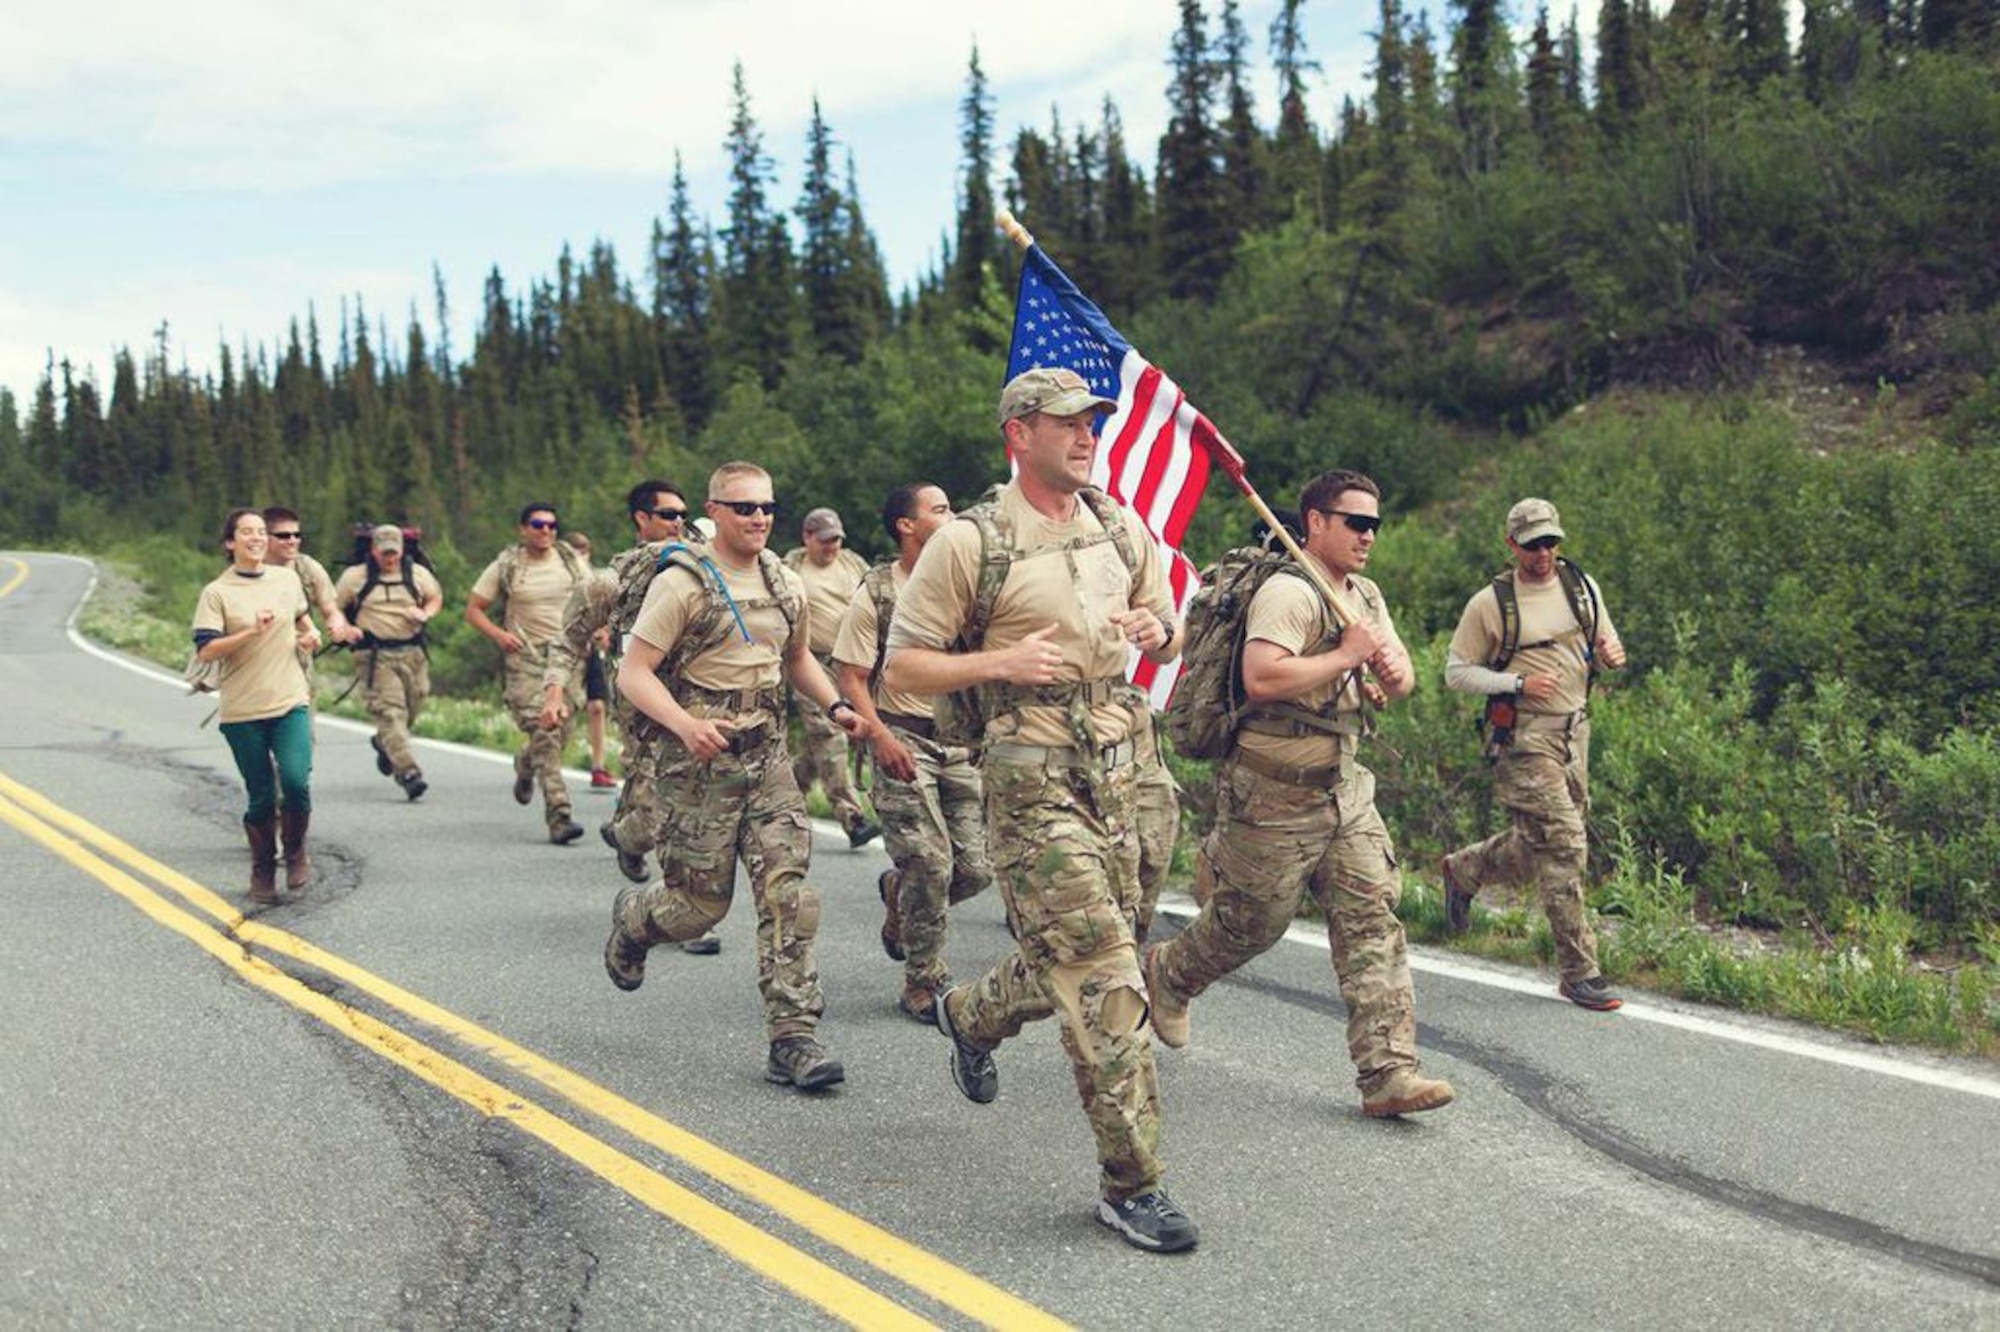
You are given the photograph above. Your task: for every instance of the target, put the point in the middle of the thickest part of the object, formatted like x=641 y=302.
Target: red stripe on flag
x=1193 y=488
x=1142 y=407
x=1158 y=454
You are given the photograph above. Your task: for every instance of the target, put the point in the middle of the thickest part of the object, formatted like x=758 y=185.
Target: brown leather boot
x=263 y=860
x=298 y=870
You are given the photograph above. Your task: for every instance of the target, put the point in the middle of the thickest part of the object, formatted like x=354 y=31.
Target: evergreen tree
x=41 y=511
x=1295 y=165
x=869 y=275
x=1834 y=46
x=1244 y=169
x=1485 y=95
x=977 y=247
x=1035 y=192
x=1195 y=238
x=756 y=306
x=1127 y=271
x=445 y=373
x=839 y=308
x=1964 y=23
x=1618 y=90
x=1545 y=90
x=1757 y=28
x=683 y=264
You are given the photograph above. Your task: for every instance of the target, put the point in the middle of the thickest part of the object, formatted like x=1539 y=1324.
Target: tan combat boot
x=1170 y=1014
x=1404 y=1092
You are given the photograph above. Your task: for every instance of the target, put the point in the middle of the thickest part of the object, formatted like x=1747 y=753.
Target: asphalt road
x=409 y=1097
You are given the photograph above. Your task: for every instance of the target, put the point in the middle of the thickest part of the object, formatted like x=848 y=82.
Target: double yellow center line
x=231 y=939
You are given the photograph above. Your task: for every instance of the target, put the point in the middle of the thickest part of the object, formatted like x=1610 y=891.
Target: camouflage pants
x=1067 y=862
x=397 y=681
x=738 y=806
x=1271 y=844
x=824 y=758
x=542 y=755
x=633 y=823
x=1543 y=779
x=1159 y=819
x=935 y=829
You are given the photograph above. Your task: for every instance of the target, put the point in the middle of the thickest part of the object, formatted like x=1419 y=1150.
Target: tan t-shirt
x=1288 y=611
x=860 y=629
x=535 y=602
x=755 y=662
x=387 y=613
x=1076 y=590
x=318 y=583
x=262 y=678
x=1552 y=642
x=829 y=589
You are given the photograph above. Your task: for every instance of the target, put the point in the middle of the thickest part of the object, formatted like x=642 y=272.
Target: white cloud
x=260 y=95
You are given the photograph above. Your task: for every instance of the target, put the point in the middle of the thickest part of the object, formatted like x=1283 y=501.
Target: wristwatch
x=837 y=705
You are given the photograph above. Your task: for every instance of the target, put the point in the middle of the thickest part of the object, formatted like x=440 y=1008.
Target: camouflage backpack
x=510 y=563
x=962 y=716
x=880 y=585
x=1209 y=707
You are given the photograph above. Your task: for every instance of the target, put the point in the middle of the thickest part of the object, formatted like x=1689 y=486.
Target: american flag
x=1154 y=449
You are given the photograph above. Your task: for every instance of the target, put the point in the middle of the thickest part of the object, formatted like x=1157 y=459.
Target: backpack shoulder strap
x=880 y=585
x=1110 y=515
x=1510 y=619
x=790 y=605
x=996 y=557
x=1583 y=605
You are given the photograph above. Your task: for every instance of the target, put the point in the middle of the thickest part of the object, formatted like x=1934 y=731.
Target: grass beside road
x=1861 y=977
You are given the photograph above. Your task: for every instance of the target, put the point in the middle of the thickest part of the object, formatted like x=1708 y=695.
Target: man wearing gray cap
x=1530 y=642
x=389 y=600
x=1030 y=603
x=832 y=573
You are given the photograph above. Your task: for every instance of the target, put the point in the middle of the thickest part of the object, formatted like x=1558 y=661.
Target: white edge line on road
x=1762 y=1033
x=1738 y=1030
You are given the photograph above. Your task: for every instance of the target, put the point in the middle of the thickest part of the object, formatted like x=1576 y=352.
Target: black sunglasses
x=670 y=515
x=1356 y=522
x=542 y=524
x=1542 y=543
x=745 y=508
x=288 y=536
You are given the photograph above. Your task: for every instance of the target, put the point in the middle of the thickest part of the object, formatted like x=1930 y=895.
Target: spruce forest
x=1721 y=282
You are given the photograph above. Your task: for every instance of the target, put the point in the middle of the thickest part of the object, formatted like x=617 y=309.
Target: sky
x=222 y=169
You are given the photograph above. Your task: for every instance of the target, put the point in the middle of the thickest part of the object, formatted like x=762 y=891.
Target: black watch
x=837 y=705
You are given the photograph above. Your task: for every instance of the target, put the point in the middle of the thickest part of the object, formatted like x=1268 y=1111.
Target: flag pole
x=1225 y=456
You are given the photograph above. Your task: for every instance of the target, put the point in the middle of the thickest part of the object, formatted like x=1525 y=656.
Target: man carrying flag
x=1043 y=647
x=1154 y=451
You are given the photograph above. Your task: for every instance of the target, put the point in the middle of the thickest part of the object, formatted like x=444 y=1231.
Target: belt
x=1292 y=774
x=903 y=721
x=1109 y=757
x=751 y=738
x=1565 y=722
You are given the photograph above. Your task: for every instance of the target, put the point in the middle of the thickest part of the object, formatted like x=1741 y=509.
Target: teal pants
x=274 y=754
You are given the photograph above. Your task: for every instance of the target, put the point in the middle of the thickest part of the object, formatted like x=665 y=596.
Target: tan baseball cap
x=823 y=523
x=386 y=537
x=1533 y=518
x=1055 y=391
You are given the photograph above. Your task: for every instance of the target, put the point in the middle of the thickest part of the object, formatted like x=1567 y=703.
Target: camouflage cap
x=1533 y=518
x=386 y=537
x=823 y=523
x=1055 y=391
